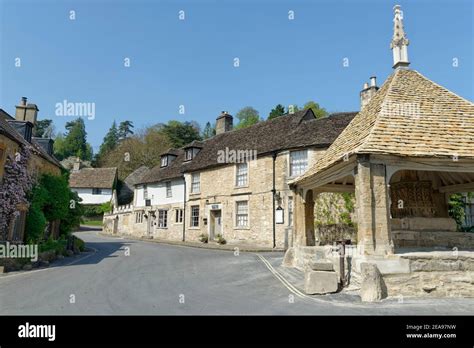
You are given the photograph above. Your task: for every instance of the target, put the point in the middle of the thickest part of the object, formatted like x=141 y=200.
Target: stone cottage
x=15 y=133
x=232 y=186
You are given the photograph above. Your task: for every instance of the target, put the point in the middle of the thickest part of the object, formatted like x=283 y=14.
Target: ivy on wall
x=334 y=208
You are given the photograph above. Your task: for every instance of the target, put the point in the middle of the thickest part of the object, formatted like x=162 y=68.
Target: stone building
x=403 y=154
x=232 y=186
x=15 y=133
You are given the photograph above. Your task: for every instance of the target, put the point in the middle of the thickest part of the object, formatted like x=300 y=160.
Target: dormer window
x=190 y=153
x=164 y=161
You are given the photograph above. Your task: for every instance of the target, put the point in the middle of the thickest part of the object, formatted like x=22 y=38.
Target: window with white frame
x=169 y=192
x=138 y=217
x=290 y=211
x=179 y=216
x=241 y=214
x=298 y=162
x=162 y=218
x=164 y=161
x=241 y=175
x=195 y=216
x=188 y=155
x=195 y=183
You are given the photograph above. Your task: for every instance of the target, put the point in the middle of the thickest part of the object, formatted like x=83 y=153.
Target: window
x=96 y=191
x=195 y=183
x=162 y=218
x=298 y=162
x=169 y=192
x=242 y=214
x=179 y=216
x=164 y=161
x=145 y=192
x=138 y=217
x=290 y=211
x=195 y=216
x=189 y=155
x=241 y=174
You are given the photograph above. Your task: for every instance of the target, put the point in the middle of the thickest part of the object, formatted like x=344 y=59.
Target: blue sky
x=190 y=62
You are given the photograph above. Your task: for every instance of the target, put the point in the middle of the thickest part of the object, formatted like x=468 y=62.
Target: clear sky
x=191 y=62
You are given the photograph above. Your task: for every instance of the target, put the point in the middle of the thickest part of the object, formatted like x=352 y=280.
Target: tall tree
x=110 y=141
x=317 y=110
x=43 y=129
x=180 y=133
x=125 y=129
x=209 y=131
x=74 y=142
x=277 y=111
x=247 y=116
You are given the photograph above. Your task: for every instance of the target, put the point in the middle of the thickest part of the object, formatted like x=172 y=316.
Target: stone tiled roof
x=409 y=116
x=10 y=132
x=93 y=178
x=171 y=171
x=293 y=131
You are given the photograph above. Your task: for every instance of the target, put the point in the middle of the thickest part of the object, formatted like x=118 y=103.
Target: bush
x=92 y=210
x=58 y=246
x=220 y=239
x=204 y=238
x=79 y=244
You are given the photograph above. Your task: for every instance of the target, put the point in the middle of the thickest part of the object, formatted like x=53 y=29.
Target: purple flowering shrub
x=16 y=185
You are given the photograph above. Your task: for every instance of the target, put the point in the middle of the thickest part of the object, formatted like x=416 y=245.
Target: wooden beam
x=457 y=188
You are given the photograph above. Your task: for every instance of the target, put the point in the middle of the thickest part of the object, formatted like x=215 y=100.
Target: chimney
x=26 y=112
x=77 y=165
x=224 y=122
x=368 y=92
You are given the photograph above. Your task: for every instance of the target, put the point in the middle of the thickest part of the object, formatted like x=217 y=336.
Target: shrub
x=220 y=239
x=58 y=246
x=92 y=210
x=79 y=244
x=204 y=238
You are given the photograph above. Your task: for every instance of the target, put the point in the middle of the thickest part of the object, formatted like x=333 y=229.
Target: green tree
x=180 y=133
x=125 y=129
x=43 y=128
x=317 y=110
x=277 y=111
x=247 y=116
x=209 y=131
x=110 y=141
x=74 y=142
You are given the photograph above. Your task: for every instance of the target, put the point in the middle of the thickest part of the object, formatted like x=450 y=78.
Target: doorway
x=215 y=224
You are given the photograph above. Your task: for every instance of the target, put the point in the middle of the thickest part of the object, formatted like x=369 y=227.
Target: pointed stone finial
x=399 y=44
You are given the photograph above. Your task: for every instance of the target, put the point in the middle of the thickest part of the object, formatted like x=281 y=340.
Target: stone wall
x=410 y=239
x=217 y=187
x=330 y=234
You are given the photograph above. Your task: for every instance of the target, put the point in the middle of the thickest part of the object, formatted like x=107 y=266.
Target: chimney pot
x=366 y=85
x=23 y=101
x=373 y=81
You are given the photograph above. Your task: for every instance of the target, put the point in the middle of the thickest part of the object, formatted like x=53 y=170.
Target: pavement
x=132 y=277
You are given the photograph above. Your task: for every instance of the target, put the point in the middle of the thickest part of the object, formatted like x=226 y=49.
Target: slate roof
x=291 y=131
x=7 y=129
x=93 y=178
x=409 y=116
x=171 y=171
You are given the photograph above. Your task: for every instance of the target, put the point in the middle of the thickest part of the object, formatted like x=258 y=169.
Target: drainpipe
x=273 y=200
x=184 y=210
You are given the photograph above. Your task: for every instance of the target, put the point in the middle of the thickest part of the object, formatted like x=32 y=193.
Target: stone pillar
x=303 y=219
x=372 y=202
